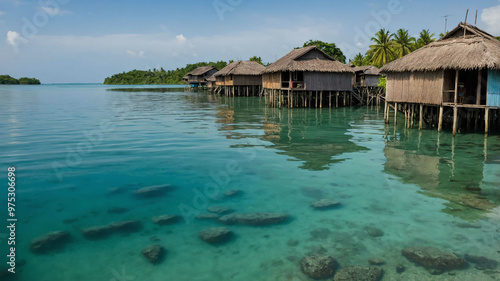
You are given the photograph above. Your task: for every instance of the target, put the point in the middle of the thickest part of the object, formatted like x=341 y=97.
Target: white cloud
x=13 y=38
x=2 y=13
x=491 y=17
x=180 y=39
x=53 y=11
x=134 y=54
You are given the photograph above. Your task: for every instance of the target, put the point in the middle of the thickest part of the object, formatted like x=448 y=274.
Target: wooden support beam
x=486 y=120
x=455 y=120
x=440 y=124
x=456 y=86
x=421 y=117
x=395 y=114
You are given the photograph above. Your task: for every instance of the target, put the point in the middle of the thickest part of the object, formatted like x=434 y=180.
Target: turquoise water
x=72 y=144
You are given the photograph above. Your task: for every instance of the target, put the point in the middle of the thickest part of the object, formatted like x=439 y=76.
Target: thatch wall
x=247 y=80
x=271 y=80
x=324 y=81
x=415 y=87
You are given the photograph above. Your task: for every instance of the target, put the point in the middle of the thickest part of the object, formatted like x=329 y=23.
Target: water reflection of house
x=303 y=135
x=455 y=177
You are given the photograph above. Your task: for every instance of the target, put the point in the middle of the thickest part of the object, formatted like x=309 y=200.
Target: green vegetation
x=6 y=79
x=391 y=46
x=256 y=59
x=498 y=38
x=329 y=48
x=160 y=76
x=405 y=44
x=382 y=82
x=382 y=51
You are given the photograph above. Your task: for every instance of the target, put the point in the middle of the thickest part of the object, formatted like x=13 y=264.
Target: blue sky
x=64 y=41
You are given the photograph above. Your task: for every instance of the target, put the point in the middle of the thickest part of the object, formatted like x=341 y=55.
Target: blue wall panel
x=494 y=88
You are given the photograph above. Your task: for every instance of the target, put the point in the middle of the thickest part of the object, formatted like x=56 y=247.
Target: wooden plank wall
x=417 y=87
x=271 y=80
x=327 y=81
x=493 y=88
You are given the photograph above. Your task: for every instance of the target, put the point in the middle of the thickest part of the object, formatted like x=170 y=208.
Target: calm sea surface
x=80 y=151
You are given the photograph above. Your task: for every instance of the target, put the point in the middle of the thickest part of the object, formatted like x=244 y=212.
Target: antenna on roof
x=475 y=22
x=446 y=23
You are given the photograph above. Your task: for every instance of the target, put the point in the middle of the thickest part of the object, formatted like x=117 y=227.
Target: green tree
x=256 y=59
x=426 y=37
x=6 y=79
x=498 y=38
x=405 y=43
x=360 y=60
x=29 y=81
x=383 y=49
x=329 y=48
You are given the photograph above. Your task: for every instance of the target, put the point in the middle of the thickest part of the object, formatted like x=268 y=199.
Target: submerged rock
x=318 y=266
x=325 y=204
x=481 y=262
x=219 y=209
x=166 y=219
x=50 y=242
x=376 y=261
x=400 y=268
x=102 y=231
x=231 y=193
x=152 y=191
x=154 y=254
x=216 y=235
x=434 y=259
x=356 y=273
x=254 y=218
x=374 y=232
x=207 y=216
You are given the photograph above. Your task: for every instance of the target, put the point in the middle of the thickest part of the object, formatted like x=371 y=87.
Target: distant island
x=158 y=76
x=8 y=80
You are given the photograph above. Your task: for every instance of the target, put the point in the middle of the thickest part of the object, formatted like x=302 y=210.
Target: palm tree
x=358 y=60
x=383 y=49
x=425 y=38
x=405 y=44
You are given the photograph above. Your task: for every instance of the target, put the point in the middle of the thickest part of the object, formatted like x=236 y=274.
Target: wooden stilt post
x=421 y=117
x=321 y=99
x=337 y=99
x=455 y=120
x=456 y=86
x=385 y=113
x=395 y=114
x=486 y=120
x=440 y=124
x=330 y=99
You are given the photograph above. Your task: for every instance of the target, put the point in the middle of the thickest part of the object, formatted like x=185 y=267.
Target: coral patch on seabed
x=50 y=242
x=216 y=235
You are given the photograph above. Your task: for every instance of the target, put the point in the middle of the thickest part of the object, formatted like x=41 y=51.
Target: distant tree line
x=159 y=76
x=6 y=79
x=498 y=38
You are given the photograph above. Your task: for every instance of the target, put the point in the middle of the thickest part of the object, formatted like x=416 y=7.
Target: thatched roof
x=367 y=70
x=211 y=78
x=292 y=62
x=241 y=68
x=200 y=70
x=476 y=50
